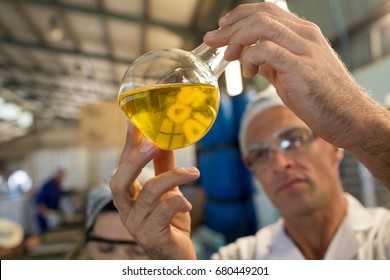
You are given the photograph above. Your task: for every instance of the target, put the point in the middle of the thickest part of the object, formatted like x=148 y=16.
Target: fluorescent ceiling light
x=9 y=112
x=25 y=120
x=19 y=180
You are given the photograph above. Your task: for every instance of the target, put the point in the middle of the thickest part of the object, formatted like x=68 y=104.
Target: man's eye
x=260 y=154
x=290 y=143
x=138 y=250
x=106 y=249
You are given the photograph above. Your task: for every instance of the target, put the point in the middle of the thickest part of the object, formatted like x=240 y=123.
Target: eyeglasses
x=111 y=249
x=289 y=142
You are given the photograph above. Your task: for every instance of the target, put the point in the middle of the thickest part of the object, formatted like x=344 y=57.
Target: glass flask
x=172 y=95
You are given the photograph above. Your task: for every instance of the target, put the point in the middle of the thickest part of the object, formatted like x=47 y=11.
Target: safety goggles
x=289 y=142
x=111 y=249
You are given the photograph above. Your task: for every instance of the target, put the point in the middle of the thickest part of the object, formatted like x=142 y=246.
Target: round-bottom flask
x=172 y=95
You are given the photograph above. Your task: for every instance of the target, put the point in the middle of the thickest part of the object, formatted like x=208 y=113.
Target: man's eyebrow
x=111 y=241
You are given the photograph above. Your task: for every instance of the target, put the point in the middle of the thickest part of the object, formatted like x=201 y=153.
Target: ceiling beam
x=50 y=88
x=52 y=49
x=106 y=34
x=182 y=31
x=6 y=31
x=50 y=74
x=68 y=30
x=31 y=25
x=144 y=34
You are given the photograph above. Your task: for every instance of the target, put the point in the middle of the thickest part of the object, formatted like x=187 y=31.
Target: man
x=310 y=79
x=299 y=172
x=47 y=202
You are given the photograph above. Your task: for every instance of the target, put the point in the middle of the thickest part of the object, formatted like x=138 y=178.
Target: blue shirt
x=49 y=195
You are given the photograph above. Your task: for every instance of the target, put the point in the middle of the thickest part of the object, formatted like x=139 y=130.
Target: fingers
x=250 y=24
x=258 y=28
x=133 y=139
x=268 y=53
x=154 y=190
x=164 y=211
x=243 y=11
x=122 y=182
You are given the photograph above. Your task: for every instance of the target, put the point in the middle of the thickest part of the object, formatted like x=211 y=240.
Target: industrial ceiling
x=56 y=55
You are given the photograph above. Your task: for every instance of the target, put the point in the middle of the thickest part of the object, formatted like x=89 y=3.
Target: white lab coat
x=363 y=235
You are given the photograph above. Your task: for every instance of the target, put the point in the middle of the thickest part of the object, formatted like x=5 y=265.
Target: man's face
x=299 y=180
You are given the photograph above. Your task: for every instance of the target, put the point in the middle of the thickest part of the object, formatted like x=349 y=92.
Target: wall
x=375 y=78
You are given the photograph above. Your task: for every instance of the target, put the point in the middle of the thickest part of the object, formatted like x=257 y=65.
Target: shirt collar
x=358 y=218
x=344 y=244
x=281 y=246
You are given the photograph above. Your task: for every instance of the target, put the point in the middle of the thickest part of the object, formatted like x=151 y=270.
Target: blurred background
x=61 y=63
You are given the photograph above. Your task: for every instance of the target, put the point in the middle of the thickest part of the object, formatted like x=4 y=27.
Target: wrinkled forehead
x=264 y=124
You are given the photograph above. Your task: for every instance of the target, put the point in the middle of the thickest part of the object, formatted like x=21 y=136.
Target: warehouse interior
x=61 y=66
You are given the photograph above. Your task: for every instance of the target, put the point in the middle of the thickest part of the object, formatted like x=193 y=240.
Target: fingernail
x=192 y=169
x=146 y=147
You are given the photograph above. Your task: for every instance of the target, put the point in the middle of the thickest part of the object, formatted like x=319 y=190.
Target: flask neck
x=213 y=57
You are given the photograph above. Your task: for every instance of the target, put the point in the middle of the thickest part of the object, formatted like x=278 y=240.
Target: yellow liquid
x=172 y=116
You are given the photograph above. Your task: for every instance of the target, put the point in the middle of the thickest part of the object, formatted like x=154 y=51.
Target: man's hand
x=156 y=214
x=293 y=55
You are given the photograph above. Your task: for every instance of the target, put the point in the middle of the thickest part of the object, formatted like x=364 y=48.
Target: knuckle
x=131 y=159
x=177 y=171
x=145 y=195
x=165 y=208
x=114 y=186
x=269 y=6
x=240 y=8
x=314 y=32
x=148 y=193
x=261 y=19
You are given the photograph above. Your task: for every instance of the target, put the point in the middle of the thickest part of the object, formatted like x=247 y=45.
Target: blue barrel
x=223 y=131
x=239 y=103
x=233 y=220
x=223 y=174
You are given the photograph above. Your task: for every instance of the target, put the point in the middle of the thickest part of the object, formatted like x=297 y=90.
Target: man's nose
x=280 y=161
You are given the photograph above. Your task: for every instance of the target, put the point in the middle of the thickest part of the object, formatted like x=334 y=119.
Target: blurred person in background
x=47 y=208
x=47 y=202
